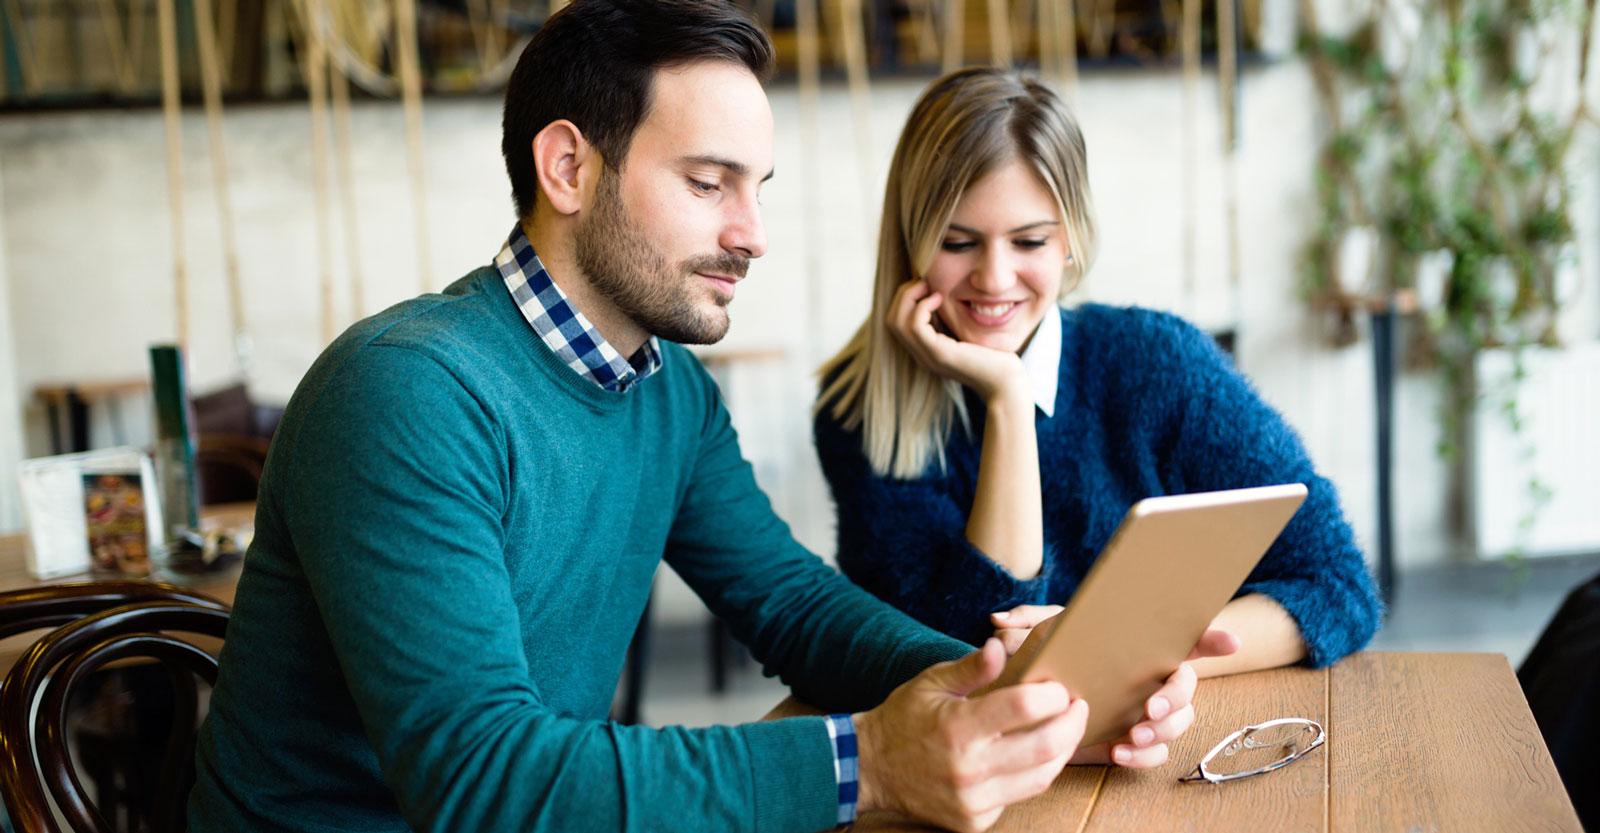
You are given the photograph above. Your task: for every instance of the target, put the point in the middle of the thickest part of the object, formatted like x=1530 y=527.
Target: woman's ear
x=560 y=156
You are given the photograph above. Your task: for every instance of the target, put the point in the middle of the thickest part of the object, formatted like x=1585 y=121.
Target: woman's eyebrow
x=1017 y=230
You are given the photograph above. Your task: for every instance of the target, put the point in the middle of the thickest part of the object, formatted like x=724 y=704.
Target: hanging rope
x=1058 y=45
x=1190 y=159
x=126 y=54
x=926 y=31
x=168 y=25
x=1021 y=20
x=855 y=53
x=954 y=24
x=211 y=85
x=1228 y=76
x=314 y=68
x=999 y=34
x=28 y=61
x=411 y=96
x=227 y=29
x=347 y=186
x=810 y=67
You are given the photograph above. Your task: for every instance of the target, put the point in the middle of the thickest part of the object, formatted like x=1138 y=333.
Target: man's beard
x=621 y=265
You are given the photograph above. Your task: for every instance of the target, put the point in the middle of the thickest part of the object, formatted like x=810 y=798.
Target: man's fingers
x=1004 y=790
x=1023 y=616
x=1017 y=707
x=1025 y=764
x=1214 y=643
x=970 y=673
x=1037 y=746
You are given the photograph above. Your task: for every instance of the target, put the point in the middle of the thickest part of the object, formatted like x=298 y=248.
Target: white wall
x=11 y=446
x=87 y=250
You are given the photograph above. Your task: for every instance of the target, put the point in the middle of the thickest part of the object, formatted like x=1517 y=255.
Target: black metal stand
x=1383 y=380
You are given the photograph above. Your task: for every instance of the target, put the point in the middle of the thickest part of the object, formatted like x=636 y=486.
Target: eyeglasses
x=1253 y=750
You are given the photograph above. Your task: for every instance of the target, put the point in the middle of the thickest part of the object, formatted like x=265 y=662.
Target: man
x=470 y=493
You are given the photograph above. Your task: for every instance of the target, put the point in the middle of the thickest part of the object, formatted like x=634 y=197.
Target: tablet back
x=1169 y=569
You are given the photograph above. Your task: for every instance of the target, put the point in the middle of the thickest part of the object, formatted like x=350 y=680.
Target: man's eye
x=957 y=246
x=703 y=187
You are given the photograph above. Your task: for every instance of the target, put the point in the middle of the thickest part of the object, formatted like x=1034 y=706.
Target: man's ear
x=564 y=161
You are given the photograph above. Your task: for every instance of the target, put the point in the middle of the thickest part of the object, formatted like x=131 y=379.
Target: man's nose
x=746 y=231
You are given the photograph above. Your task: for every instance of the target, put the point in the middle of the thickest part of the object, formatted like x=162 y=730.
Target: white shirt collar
x=1042 y=361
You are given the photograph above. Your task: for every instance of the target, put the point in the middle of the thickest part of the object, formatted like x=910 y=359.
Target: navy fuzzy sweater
x=1147 y=405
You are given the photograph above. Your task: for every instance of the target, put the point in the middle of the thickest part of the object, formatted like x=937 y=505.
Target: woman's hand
x=1012 y=626
x=1168 y=713
x=990 y=372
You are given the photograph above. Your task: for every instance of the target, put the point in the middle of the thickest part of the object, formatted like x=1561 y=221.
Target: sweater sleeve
x=1228 y=437
x=403 y=550
x=838 y=648
x=905 y=541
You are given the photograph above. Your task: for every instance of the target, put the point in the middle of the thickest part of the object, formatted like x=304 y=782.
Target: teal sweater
x=454 y=541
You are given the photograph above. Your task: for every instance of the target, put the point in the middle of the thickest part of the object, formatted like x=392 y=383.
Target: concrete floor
x=1482 y=607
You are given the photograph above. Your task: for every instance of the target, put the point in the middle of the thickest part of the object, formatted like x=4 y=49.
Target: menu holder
x=91 y=510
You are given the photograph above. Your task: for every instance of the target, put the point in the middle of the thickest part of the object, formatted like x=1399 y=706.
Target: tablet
x=1169 y=569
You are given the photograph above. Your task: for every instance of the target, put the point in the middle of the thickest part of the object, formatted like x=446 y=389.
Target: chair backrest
x=54 y=605
x=34 y=755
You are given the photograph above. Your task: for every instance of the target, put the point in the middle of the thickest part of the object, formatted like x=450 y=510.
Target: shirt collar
x=1042 y=361
x=562 y=327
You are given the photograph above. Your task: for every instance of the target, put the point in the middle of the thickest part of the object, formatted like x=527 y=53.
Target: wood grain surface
x=1417 y=743
x=1288 y=799
x=1438 y=742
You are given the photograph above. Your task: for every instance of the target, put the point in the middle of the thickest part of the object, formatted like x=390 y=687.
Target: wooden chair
x=54 y=605
x=34 y=753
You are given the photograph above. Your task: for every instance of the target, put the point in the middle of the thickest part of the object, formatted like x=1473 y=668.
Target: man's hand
x=935 y=754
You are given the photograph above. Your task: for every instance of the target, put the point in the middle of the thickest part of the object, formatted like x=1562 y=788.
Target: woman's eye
x=957 y=246
x=1030 y=243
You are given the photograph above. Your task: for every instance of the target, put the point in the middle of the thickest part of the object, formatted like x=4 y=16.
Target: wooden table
x=221 y=584
x=1416 y=742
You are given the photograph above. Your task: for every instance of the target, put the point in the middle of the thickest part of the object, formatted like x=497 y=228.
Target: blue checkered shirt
x=568 y=334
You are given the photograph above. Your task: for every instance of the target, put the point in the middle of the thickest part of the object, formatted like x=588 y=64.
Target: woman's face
x=1000 y=264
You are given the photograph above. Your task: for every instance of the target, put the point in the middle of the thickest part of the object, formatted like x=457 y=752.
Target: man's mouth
x=721 y=283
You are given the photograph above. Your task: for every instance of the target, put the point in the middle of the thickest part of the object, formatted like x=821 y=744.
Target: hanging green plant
x=1444 y=186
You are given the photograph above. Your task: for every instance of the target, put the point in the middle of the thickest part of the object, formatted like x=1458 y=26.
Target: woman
x=982 y=443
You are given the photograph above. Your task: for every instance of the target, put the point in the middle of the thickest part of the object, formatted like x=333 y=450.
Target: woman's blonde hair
x=966 y=125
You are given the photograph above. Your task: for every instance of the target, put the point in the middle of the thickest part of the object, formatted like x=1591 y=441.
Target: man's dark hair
x=594 y=63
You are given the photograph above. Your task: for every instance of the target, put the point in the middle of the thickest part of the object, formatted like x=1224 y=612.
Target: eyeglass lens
x=1260 y=748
